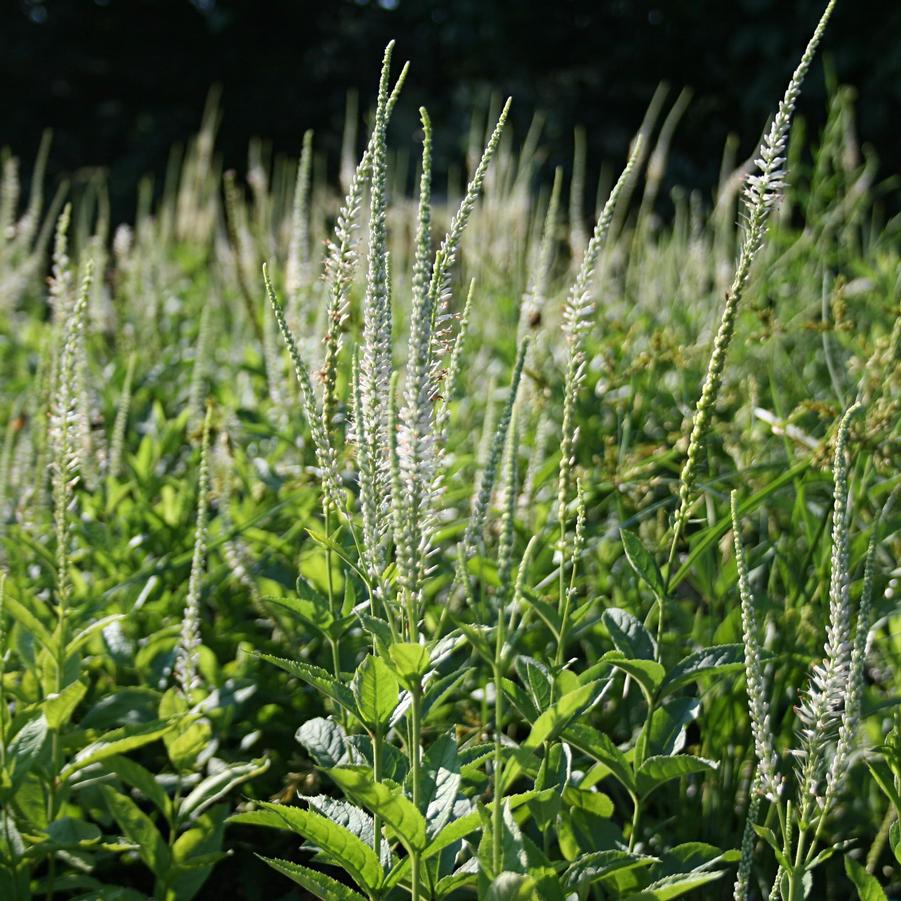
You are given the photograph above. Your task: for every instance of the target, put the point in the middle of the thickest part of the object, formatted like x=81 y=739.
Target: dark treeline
x=121 y=81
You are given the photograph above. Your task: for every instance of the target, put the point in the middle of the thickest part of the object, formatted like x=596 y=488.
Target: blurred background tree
x=122 y=81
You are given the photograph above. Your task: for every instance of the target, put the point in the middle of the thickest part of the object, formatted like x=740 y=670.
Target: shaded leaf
x=628 y=635
x=139 y=828
x=556 y=718
x=319 y=884
x=324 y=740
x=868 y=887
x=641 y=560
x=720 y=659
x=656 y=771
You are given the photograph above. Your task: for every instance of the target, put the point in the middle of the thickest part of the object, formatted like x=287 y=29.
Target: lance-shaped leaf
x=628 y=635
x=655 y=771
x=557 y=717
x=396 y=810
x=641 y=560
x=719 y=659
x=139 y=828
x=376 y=691
x=410 y=661
x=324 y=740
x=590 y=868
x=117 y=741
x=317 y=678
x=24 y=750
x=339 y=843
x=440 y=782
x=218 y=785
x=318 y=884
x=597 y=745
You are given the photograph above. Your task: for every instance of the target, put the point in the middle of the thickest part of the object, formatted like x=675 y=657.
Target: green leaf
x=376 y=691
x=378 y=628
x=556 y=718
x=643 y=563
x=439 y=689
x=674 y=886
x=894 y=837
x=318 y=618
x=440 y=782
x=768 y=836
x=723 y=658
x=628 y=635
x=460 y=828
x=594 y=802
x=509 y=886
x=535 y=677
x=317 y=678
x=324 y=740
x=589 y=868
x=195 y=852
x=85 y=635
x=185 y=744
x=396 y=810
x=668 y=727
x=656 y=771
x=218 y=785
x=25 y=749
x=352 y=818
x=29 y=621
x=597 y=745
x=882 y=773
x=319 y=884
x=868 y=888
x=117 y=741
x=411 y=662
x=59 y=707
x=513 y=852
x=548 y=613
x=692 y=856
x=341 y=845
x=68 y=832
x=521 y=700
x=649 y=674
x=139 y=828
x=142 y=779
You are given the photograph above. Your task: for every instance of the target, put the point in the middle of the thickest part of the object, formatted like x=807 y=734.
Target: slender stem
x=333 y=642
x=636 y=819
x=497 y=813
x=377 y=777
x=881 y=838
x=416 y=729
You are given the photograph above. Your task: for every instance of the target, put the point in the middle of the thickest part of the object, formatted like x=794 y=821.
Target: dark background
x=121 y=81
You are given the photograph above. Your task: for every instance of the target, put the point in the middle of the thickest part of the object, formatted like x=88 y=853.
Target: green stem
x=636 y=819
x=377 y=777
x=562 y=599
x=881 y=838
x=497 y=813
x=415 y=762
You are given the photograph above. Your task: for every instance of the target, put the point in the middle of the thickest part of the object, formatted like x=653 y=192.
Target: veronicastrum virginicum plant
x=488 y=705
x=829 y=714
x=53 y=756
x=406 y=821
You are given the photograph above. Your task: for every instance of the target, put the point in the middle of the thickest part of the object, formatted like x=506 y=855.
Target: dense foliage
x=441 y=549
